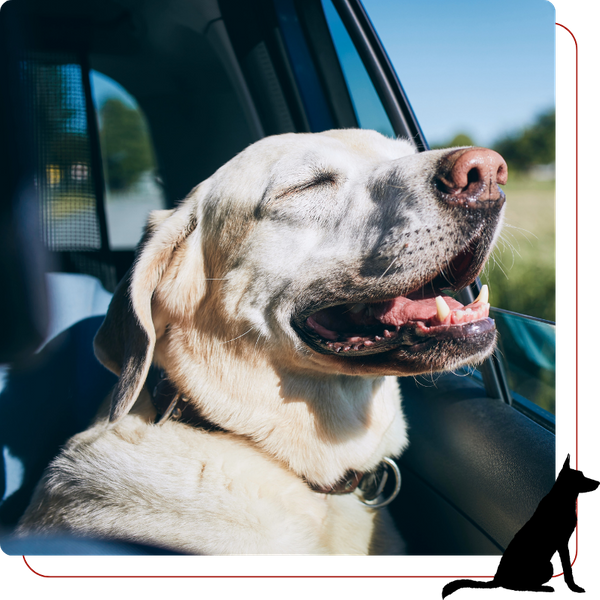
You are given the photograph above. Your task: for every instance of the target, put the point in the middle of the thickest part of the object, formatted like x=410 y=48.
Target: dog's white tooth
x=378 y=338
x=386 y=333
x=443 y=310
x=484 y=294
x=357 y=308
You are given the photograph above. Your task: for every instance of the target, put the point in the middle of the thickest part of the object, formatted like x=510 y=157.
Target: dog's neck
x=321 y=426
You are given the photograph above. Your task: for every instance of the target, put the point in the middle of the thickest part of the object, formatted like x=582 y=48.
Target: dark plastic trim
x=491 y=464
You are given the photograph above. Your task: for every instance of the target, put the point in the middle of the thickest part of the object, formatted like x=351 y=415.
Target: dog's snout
x=471 y=177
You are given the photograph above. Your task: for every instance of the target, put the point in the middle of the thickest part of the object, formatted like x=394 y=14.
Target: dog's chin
x=431 y=356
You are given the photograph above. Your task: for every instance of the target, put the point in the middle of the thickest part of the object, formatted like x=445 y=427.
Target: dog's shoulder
x=179 y=487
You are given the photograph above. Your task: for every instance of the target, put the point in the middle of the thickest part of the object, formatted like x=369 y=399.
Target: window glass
x=528 y=347
x=130 y=174
x=367 y=105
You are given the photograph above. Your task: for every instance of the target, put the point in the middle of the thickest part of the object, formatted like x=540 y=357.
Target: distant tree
x=460 y=139
x=534 y=145
x=126 y=144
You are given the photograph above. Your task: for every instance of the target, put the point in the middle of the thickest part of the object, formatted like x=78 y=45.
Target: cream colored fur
x=210 y=299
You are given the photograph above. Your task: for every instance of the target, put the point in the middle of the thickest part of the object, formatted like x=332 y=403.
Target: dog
x=279 y=301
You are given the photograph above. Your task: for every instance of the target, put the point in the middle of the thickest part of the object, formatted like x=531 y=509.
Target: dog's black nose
x=470 y=177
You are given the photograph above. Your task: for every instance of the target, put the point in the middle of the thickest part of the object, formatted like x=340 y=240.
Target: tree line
x=531 y=146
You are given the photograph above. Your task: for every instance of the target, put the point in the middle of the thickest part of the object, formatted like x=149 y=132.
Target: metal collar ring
x=379 y=501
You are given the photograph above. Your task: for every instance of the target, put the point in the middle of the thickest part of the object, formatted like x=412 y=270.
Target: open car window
x=523 y=369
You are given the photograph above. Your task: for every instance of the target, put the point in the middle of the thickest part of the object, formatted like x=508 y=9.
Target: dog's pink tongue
x=401 y=310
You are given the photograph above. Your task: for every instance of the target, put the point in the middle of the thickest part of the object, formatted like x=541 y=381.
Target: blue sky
x=483 y=67
x=104 y=87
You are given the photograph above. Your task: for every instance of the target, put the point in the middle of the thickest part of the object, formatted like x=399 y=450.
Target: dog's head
x=323 y=252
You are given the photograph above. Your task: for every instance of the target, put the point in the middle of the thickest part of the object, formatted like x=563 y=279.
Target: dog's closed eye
x=321 y=179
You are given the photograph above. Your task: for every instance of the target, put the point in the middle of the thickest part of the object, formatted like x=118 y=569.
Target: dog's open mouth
x=411 y=322
x=382 y=326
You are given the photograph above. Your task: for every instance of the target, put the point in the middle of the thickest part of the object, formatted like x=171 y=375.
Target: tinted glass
x=367 y=105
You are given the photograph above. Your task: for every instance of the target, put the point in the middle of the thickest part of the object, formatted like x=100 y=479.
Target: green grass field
x=521 y=272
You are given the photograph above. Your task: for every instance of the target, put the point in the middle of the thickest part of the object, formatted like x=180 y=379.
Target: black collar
x=172 y=404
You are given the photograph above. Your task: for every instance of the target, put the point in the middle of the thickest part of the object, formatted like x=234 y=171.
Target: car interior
x=206 y=78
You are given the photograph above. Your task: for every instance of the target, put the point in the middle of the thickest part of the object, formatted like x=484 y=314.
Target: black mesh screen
x=55 y=92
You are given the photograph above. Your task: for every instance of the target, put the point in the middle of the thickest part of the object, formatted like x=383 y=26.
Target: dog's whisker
x=420 y=381
x=389 y=267
x=496 y=256
x=509 y=244
x=464 y=371
x=264 y=341
x=499 y=349
x=502 y=241
x=498 y=262
x=521 y=230
x=427 y=380
x=238 y=337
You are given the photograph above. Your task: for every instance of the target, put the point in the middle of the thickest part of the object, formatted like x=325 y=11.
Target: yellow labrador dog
x=279 y=301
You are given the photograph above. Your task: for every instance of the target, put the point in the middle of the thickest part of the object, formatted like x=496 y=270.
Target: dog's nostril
x=473 y=174
x=502 y=173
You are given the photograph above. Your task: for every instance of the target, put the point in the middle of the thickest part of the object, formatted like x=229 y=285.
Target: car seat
x=54 y=394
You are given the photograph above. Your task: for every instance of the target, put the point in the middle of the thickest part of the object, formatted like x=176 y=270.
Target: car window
x=527 y=347
x=369 y=109
x=525 y=310
x=131 y=179
x=53 y=83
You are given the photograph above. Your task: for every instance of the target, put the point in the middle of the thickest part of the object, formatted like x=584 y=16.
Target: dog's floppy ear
x=125 y=341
